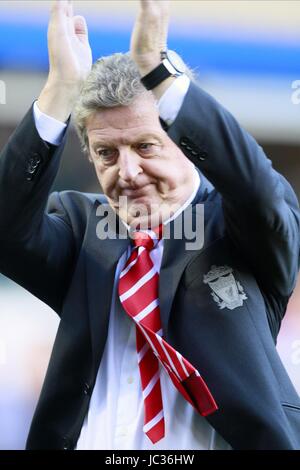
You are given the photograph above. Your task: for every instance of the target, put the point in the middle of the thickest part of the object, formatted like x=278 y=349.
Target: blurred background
x=246 y=54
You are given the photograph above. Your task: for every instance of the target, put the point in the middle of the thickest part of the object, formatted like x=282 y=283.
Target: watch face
x=176 y=61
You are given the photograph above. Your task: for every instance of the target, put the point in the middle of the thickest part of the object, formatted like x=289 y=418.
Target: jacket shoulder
x=74 y=207
x=72 y=200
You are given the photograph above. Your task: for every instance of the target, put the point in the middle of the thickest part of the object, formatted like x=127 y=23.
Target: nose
x=129 y=165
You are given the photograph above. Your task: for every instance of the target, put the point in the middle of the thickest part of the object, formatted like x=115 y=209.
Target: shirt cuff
x=50 y=130
x=171 y=101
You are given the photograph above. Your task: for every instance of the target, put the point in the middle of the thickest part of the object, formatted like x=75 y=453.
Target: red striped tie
x=138 y=291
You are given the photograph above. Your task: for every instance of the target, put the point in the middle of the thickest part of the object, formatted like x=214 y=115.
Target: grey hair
x=113 y=81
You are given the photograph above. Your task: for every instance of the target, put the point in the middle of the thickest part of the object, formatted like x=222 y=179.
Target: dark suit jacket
x=49 y=246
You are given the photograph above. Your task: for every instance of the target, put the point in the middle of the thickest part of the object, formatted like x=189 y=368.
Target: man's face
x=136 y=161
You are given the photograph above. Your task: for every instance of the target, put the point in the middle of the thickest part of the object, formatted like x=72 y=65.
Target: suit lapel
x=102 y=256
x=176 y=256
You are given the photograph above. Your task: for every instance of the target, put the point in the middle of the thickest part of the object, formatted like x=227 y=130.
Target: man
x=115 y=381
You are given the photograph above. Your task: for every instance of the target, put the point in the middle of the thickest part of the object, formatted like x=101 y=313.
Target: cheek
x=165 y=169
x=176 y=167
x=157 y=166
x=107 y=178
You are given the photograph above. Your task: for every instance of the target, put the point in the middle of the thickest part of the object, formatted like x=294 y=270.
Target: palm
x=150 y=31
x=69 y=50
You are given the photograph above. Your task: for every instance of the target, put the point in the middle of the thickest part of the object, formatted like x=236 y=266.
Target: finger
x=146 y=3
x=59 y=6
x=155 y=5
x=154 y=10
x=70 y=9
x=80 y=28
x=61 y=17
x=62 y=8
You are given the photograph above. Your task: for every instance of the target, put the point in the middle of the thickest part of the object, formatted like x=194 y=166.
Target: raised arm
x=37 y=246
x=70 y=61
x=149 y=37
x=260 y=209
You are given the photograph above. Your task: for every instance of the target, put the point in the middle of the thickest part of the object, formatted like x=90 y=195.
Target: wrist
x=160 y=89
x=145 y=66
x=159 y=75
x=146 y=62
x=58 y=98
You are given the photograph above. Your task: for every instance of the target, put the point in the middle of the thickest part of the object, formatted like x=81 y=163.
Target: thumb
x=80 y=28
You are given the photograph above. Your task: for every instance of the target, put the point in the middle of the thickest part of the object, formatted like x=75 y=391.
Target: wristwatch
x=171 y=66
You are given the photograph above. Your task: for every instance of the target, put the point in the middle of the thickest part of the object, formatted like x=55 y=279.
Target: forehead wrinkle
x=126 y=119
x=109 y=139
x=119 y=119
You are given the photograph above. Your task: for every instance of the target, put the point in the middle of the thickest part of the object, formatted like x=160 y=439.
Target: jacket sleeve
x=36 y=239
x=261 y=211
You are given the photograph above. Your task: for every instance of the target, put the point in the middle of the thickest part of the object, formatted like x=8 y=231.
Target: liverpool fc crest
x=226 y=291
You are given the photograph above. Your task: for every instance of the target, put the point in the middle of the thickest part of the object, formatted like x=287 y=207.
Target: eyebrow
x=110 y=143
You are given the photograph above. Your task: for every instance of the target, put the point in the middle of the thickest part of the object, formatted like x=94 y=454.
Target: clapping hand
x=150 y=34
x=70 y=60
x=70 y=54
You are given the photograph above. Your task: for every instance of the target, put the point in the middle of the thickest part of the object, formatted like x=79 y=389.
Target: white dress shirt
x=116 y=412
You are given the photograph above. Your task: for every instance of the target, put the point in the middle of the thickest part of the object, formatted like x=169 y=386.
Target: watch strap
x=155 y=77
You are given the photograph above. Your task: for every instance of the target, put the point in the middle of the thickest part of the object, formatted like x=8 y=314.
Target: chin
x=142 y=212
x=145 y=223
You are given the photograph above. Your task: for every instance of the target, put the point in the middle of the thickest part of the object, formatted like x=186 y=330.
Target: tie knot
x=147 y=238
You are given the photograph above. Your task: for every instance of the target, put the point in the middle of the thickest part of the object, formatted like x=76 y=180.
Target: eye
x=146 y=148
x=106 y=154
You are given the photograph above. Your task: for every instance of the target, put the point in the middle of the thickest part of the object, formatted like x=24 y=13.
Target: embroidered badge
x=226 y=291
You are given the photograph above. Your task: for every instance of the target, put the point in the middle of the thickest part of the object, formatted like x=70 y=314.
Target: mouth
x=135 y=193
